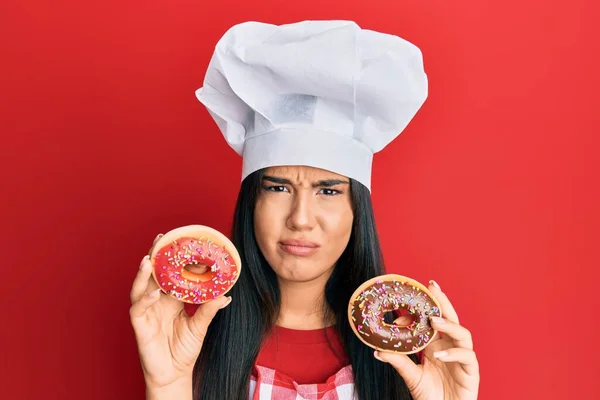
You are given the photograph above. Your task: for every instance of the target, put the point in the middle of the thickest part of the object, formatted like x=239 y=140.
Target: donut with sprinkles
x=195 y=264
x=393 y=293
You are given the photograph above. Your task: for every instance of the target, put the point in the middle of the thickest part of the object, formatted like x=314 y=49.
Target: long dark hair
x=236 y=334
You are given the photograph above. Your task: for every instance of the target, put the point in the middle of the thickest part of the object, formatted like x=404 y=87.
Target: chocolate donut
x=388 y=293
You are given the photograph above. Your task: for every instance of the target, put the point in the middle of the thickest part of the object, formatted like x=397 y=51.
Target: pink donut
x=195 y=246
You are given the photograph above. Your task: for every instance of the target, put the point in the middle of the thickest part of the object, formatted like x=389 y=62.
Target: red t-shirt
x=306 y=356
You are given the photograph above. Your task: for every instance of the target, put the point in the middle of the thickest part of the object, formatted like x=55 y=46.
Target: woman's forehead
x=301 y=173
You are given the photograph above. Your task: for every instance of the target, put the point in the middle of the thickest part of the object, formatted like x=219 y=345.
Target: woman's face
x=302 y=221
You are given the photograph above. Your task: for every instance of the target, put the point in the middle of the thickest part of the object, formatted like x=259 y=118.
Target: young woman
x=305 y=231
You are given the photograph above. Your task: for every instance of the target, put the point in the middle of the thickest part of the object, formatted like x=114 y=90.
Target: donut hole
x=197 y=269
x=197 y=272
x=400 y=317
x=389 y=317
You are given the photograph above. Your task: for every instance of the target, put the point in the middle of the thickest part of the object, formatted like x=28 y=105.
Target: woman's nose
x=302 y=213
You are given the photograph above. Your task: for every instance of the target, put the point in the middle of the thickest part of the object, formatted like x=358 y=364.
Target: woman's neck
x=303 y=304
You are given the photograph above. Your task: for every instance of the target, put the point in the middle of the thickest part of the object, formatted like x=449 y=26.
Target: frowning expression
x=303 y=220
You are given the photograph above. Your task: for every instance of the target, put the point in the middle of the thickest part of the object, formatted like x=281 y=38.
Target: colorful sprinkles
x=368 y=307
x=171 y=260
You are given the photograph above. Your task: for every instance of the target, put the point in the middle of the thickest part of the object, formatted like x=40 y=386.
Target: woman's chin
x=300 y=272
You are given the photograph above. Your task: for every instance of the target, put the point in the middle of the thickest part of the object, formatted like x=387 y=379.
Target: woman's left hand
x=450 y=370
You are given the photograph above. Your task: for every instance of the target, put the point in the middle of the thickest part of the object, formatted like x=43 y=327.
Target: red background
x=492 y=190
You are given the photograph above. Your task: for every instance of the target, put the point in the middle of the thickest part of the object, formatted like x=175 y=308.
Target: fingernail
x=439 y=354
x=146 y=257
x=159 y=236
x=438 y=320
x=434 y=283
x=376 y=355
x=226 y=304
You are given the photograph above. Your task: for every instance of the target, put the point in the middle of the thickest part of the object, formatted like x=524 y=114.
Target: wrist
x=179 y=389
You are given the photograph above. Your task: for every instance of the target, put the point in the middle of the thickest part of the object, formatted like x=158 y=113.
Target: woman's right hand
x=169 y=341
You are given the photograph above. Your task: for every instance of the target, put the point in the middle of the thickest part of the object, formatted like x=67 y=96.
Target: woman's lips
x=299 y=247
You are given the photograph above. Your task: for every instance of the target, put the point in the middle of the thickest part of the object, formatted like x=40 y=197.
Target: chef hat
x=325 y=94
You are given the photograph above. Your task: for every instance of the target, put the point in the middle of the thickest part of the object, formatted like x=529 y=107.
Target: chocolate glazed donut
x=388 y=293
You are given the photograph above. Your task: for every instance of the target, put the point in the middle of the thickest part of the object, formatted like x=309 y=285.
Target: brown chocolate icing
x=372 y=303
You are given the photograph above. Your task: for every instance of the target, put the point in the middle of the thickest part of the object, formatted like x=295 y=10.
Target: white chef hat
x=325 y=94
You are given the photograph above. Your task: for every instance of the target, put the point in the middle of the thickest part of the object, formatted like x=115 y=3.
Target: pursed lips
x=299 y=247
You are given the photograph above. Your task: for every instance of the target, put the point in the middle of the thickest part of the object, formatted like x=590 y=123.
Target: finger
x=139 y=308
x=154 y=243
x=467 y=359
x=447 y=308
x=461 y=335
x=204 y=315
x=140 y=283
x=408 y=370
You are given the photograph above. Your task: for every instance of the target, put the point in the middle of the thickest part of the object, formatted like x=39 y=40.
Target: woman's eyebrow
x=274 y=179
x=321 y=183
x=329 y=182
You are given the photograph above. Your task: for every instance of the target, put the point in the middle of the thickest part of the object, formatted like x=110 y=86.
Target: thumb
x=408 y=370
x=204 y=315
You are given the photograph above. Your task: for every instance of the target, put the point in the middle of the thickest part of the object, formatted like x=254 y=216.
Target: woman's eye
x=330 y=192
x=275 y=188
